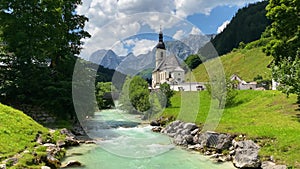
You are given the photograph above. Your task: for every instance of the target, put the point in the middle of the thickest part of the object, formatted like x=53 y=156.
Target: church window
x=161 y=54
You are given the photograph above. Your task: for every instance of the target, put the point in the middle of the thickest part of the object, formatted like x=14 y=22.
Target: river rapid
x=124 y=142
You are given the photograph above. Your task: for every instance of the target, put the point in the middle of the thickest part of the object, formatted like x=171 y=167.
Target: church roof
x=170 y=62
x=161 y=44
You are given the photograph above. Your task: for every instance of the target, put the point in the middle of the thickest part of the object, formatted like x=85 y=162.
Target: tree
x=167 y=93
x=135 y=95
x=104 y=95
x=193 y=61
x=222 y=90
x=285 y=43
x=42 y=39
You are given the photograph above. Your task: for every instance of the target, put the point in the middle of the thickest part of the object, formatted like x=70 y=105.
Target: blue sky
x=113 y=22
x=209 y=24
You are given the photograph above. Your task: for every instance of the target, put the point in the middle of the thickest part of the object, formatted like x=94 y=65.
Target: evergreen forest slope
x=246 y=26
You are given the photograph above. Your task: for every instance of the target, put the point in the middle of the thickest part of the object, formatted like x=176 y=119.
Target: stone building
x=167 y=67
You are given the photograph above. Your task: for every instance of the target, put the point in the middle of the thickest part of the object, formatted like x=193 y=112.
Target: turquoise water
x=134 y=146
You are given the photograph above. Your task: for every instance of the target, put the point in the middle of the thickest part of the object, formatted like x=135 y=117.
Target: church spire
x=161 y=38
x=161 y=44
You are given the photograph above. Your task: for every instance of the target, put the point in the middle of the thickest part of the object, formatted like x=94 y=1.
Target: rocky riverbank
x=220 y=147
x=48 y=152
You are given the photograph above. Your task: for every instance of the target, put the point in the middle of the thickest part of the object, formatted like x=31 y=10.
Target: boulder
x=67 y=132
x=45 y=167
x=246 y=154
x=190 y=126
x=2 y=166
x=271 y=165
x=179 y=140
x=72 y=163
x=52 y=161
x=182 y=132
x=90 y=142
x=213 y=140
x=61 y=143
x=156 y=129
x=71 y=141
x=154 y=123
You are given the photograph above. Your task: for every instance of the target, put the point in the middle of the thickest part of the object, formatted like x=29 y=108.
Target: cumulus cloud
x=179 y=34
x=185 y=8
x=195 y=31
x=129 y=16
x=223 y=26
x=140 y=46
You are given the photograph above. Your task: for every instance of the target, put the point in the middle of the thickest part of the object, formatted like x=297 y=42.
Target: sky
x=125 y=25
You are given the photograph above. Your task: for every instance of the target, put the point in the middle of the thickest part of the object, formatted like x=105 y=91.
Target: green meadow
x=268 y=117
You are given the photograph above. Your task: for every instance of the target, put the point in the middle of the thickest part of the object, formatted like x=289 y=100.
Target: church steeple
x=161 y=44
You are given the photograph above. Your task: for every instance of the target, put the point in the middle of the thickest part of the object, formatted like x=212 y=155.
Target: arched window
x=161 y=54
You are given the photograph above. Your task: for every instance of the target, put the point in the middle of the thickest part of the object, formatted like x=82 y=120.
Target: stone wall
x=37 y=113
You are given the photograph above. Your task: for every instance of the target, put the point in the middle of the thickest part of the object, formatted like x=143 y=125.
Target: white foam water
x=127 y=145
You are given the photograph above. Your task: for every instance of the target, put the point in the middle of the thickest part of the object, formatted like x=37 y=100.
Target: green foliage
x=258 y=115
x=285 y=43
x=193 y=61
x=246 y=26
x=104 y=95
x=222 y=90
x=135 y=95
x=167 y=93
x=41 y=40
x=287 y=73
x=139 y=94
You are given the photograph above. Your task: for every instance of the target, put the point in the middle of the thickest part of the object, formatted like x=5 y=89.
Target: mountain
x=106 y=58
x=131 y=64
x=195 y=42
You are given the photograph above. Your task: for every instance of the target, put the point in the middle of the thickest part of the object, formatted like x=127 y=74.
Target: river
x=125 y=143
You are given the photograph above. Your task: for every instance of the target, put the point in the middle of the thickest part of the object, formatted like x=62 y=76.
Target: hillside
x=16 y=131
x=268 y=117
x=246 y=26
x=246 y=63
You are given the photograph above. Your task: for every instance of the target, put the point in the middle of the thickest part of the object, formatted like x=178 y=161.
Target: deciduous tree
x=285 y=43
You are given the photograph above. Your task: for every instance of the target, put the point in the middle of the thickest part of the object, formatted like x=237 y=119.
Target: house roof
x=169 y=62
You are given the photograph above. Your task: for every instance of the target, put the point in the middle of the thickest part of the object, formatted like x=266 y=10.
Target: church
x=167 y=68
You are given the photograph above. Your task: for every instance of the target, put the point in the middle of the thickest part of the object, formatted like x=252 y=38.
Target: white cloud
x=179 y=35
x=113 y=20
x=141 y=46
x=119 y=49
x=195 y=31
x=223 y=26
x=185 y=8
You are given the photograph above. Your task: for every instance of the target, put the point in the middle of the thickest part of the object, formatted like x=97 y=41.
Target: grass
x=268 y=117
x=18 y=133
x=246 y=63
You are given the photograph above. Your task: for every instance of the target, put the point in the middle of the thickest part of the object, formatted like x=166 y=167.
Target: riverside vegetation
x=268 y=117
x=27 y=144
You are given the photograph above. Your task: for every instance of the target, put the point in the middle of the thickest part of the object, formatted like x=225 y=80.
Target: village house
x=243 y=85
